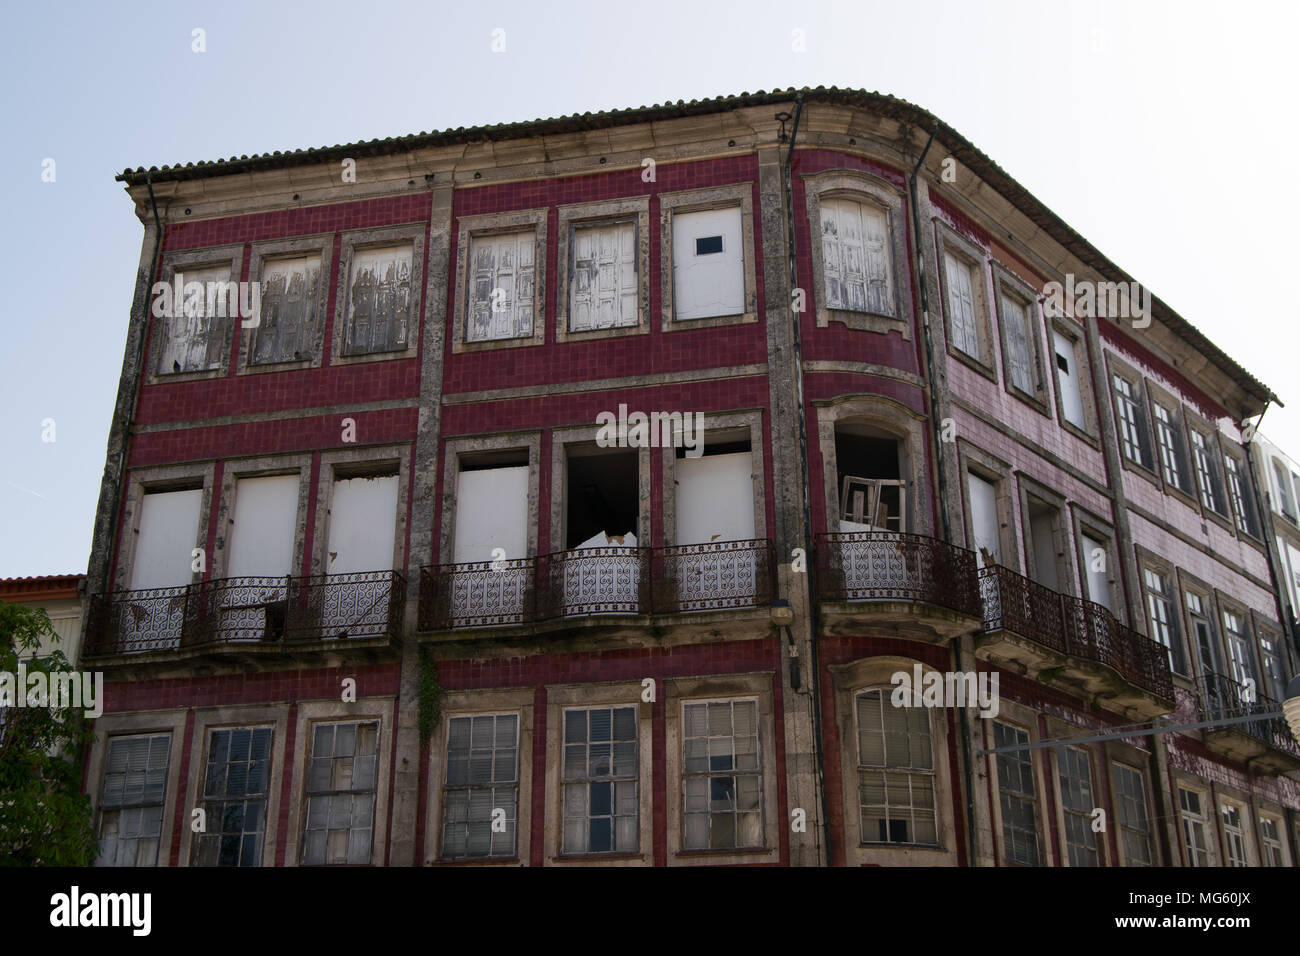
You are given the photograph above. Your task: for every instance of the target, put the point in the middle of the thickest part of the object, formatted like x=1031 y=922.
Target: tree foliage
x=45 y=820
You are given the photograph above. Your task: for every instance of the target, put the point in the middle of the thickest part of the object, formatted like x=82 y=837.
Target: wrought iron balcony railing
x=609 y=580
x=1222 y=697
x=253 y=610
x=893 y=566
x=1074 y=627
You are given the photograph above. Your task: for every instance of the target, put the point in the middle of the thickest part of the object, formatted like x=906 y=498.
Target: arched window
x=895 y=771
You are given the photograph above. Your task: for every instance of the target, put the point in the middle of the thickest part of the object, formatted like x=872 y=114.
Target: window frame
x=715 y=422
x=1150 y=563
x=1209 y=831
x=1278 y=820
x=1219 y=490
x=1064 y=814
x=160 y=328
x=1117 y=371
x=1244 y=828
x=573 y=217
x=704 y=200
x=376 y=461
x=454 y=449
x=931 y=775
x=1146 y=808
x=950 y=243
x=362 y=240
x=1008 y=286
x=1173 y=408
x=497 y=224
x=142 y=481
x=1041 y=838
x=268 y=252
x=1065 y=556
x=1076 y=337
x=1247 y=522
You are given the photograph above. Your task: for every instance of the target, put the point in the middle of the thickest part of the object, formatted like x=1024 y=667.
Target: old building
x=580 y=488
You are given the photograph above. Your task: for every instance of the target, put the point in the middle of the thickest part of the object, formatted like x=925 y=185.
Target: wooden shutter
x=505 y=263
x=602 y=277
x=1013 y=318
x=961 y=305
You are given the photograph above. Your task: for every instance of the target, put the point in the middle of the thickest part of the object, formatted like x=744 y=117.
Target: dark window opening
x=1063 y=363
x=603 y=496
x=708 y=245
x=504 y=458
x=869 y=479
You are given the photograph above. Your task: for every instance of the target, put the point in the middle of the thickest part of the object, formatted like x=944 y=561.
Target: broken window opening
x=873 y=495
x=602 y=499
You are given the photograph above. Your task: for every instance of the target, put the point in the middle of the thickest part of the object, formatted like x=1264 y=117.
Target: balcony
x=1071 y=643
x=1265 y=741
x=920 y=586
x=246 y=617
x=609 y=583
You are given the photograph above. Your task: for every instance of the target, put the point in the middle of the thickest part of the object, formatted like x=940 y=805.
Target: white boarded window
x=169 y=525
x=286 y=329
x=984 y=519
x=362 y=525
x=961 y=306
x=708 y=264
x=131 y=801
x=602 y=277
x=1067 y=379
x=262 y=532
x=491 y=512
x=856 y=257
x=198 y=329
x=502 y=286
x=715 y=498
x=1015 y=327
x=380 y=300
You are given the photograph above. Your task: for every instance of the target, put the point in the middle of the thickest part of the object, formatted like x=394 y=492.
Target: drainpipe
x=814 y=616
x=941 y=473
x=1267 y=527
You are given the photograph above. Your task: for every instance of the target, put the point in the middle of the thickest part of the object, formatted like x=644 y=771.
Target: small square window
x=708 y=245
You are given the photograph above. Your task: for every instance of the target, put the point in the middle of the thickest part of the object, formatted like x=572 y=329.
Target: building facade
x=579 y=490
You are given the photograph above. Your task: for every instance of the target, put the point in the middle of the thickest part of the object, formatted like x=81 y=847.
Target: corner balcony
x=245 y=618
x=601 y=587
x=915 y=586
x=1265 y=742
x=1073 y=644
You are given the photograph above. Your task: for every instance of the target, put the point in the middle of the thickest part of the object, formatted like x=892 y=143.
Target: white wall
x=169 y=527
x=715 y=498
x=491 y=512
x=262 y=533
x=712 y=284
x=362 y=525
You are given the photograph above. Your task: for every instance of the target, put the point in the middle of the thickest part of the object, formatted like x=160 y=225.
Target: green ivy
x=431 y=694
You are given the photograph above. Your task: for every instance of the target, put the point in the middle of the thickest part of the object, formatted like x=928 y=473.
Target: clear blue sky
x=1163 y=132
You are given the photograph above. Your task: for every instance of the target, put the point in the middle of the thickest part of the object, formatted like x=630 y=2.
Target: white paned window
x=602 y=277
x=856 y=257
x=482 y=778
x=1234 y=835
x=961 y=306
x=1016 y=796
x=1170 y=456
x=1160 y=608
x=895 y=772
x=1270 y=836
x=236 y=783
x=502 y=287
x=131 y=801
x=342 y=772
x=1211 y=491
x=1015 y=326
x=1195 y=838
x=1134 y=824
x=1285 y=497
x=1077 y=803
x=600 y=780
x=1129 y=420
x=722 y=779
x=1240 y=503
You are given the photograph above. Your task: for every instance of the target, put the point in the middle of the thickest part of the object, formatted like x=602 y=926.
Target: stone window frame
x=1058 y=729
x=1194 y=422
x=1150 y=560
x=606 y=212
x=721 y=687
x=1260 y=621
x=376 y=460
x=562 y=697
x=1249 y=824
x=186 y=476
x=355 y=240
x=561 y=439
x=873 y=673
x=262 y=466
x=262 y=252
x=1156 y=394
x=861 y=187
x=895 y=419
x=233 y=717
x=233 y=254
x=702 y=200
x=461 y=446
x=1249 y=498
x=1277 y=814
x=948 y=240
x=496 y=224
x=752 y=420
x=382 y=708
x=468 y=703
x=1189 y=583
x=1117 y=752
x=1071 y=331
x=1181 y=780
x=974 y=460
x=1007 y=284
x=131 y=724
x=1083 y=522
x=1017 y=715
x=1066 y=573
x=1229 y=604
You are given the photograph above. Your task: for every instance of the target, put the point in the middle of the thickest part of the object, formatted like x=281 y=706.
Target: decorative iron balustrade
x=251 y=610
x=894 y=566
x=1223 y=697
x=1073 y=626
x=608 y=580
